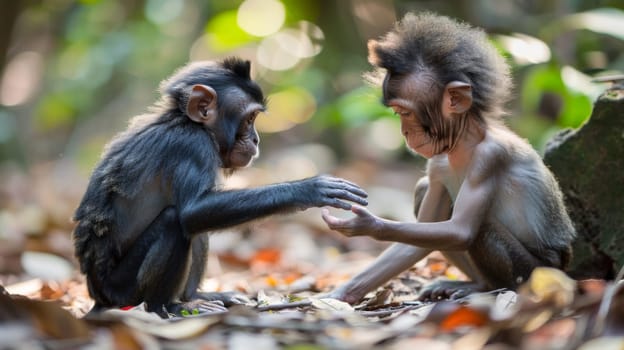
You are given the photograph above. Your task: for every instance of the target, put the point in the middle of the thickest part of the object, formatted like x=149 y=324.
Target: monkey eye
x=402 y=112
x=427 y=130
x=252 y=118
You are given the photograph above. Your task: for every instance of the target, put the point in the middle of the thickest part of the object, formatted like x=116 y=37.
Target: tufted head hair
x=436 y=46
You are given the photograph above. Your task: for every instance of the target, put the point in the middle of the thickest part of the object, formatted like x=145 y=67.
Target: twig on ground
x=276 y=307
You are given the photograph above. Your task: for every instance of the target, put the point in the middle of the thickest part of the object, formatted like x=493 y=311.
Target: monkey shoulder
x=164 y=149
x=149 y=159
x=500 y=152
x=524 y=200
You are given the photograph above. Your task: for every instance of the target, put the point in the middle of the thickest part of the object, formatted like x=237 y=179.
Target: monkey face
x=414 y=99
x=416 y=136
x=234 y=129
x=245 y=148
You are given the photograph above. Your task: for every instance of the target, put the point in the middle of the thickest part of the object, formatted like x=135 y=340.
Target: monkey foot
x=448 y=290
x=193 y=307
x=227 y=298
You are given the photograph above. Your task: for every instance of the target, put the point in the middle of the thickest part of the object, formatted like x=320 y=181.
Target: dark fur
x=153 y=194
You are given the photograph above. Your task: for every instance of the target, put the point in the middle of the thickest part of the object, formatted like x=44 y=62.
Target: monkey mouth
x=421 y=144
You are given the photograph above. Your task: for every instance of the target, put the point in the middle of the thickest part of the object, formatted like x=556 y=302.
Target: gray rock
x=589 y=164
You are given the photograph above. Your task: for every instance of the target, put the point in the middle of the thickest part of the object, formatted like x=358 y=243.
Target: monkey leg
x=502 y=259
x=199 y=256
x=199 y=249
x=419 y=193
x=496 y=259
x=123 y=281
x=445 y=289
x=165 y=270
x=154 y=270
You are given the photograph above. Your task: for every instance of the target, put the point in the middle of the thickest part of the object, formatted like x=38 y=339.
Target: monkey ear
x=457 y=98
x=202 y=105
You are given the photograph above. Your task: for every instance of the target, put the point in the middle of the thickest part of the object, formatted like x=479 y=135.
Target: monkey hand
x=341 y=293
x=363 y=224
x=324 y=190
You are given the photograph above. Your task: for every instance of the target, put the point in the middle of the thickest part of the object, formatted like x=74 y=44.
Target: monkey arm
x=394 y=260
x=415 y=240
x=222 y=209
x=202 y=211
x=456 y=233
x=436 y=205
x=469 y=210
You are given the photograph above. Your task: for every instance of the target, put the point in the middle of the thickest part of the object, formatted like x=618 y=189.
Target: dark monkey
x=488 y=202
x=142 y=223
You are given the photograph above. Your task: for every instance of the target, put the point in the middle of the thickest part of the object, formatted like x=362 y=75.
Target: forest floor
x=284 y=265
x=287 y=311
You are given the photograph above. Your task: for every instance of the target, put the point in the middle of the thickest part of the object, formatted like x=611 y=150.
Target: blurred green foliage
x=73 y=72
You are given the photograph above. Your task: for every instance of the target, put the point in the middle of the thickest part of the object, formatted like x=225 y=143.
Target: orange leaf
x=268 y=256
x=51 y=291
x=271 y=281
x=291 y=277
x=438 y=267
x=592 y=286
x=234 y=260
x=462 y=317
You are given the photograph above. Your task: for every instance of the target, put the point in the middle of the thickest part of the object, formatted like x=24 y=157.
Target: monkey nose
x=404 y=131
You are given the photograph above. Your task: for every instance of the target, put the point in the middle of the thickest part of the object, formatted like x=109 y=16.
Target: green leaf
x=576 y=106
x=362 y=105
x=576 y=109
x=54 y=111
x=539 y=79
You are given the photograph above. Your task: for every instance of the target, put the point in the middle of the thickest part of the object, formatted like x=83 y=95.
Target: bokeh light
x=311 y=37
x=8 y=126
x=579 y=82
x=223 y=34
x=261 y=17
x=293 y=167
x=163 y=11
x=21 y=78
x=525 y=49
x=386 y=134
x=286 y=109
x=273 y=52
x=284 y=49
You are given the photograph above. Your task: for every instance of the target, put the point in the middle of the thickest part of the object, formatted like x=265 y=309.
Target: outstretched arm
x=455 y=233
x=221 y=209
